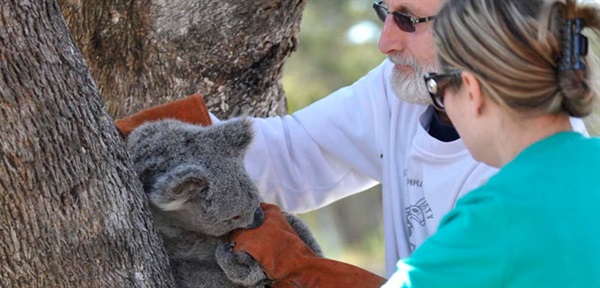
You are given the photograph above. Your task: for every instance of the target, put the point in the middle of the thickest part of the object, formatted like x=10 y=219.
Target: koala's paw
x=240 y=268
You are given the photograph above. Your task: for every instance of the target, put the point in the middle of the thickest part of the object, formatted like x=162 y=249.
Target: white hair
x=410 y=87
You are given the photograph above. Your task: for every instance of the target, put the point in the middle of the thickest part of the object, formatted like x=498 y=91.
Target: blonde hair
x=515 y=47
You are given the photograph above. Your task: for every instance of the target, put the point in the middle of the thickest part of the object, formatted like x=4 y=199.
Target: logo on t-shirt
x=416 y=215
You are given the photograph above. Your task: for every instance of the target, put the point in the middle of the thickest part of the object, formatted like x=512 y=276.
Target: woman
x=513 y=73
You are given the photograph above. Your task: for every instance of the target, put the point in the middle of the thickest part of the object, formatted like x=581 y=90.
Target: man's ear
x=476 y=98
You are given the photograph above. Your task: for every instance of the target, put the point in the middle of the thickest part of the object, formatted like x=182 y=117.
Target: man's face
x=412 y=52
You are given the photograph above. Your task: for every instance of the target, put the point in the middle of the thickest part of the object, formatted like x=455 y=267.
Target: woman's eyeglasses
x=437 y=84
x=404 y=22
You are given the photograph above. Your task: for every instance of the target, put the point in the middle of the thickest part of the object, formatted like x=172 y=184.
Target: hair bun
x=578 y=96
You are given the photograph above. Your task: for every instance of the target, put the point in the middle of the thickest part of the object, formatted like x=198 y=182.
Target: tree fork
x=146 y=52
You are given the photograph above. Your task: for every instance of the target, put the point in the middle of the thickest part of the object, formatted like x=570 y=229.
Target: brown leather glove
x=190 y=109
x=290 y=263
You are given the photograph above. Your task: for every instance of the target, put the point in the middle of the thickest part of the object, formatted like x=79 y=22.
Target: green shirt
x=536 y=223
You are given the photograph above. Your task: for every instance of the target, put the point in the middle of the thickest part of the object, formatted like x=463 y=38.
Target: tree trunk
x=72 y=212
x=145 y=52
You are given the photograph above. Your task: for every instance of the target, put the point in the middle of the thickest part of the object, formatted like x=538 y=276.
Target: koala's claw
x=240 y=267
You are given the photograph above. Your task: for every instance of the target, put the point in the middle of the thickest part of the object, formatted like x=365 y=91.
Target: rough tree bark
x=72 y=212
x=145 y=52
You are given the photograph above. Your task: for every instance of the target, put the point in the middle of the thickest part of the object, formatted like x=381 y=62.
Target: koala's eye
x=238 y=217
x=204 y=189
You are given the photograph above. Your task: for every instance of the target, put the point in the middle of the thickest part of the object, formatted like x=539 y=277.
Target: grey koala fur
x=199 y=191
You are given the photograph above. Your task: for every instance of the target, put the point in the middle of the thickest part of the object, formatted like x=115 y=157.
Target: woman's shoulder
x=564 y=161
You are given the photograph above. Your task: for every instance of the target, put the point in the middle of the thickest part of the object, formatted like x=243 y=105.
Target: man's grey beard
x=410 y=87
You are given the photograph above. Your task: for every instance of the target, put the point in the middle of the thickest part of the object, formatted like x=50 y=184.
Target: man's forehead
x=417 y=7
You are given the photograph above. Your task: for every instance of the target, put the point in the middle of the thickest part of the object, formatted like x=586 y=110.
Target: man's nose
x=392 y=38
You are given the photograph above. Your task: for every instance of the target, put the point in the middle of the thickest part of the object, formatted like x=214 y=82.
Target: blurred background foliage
x=338 y=45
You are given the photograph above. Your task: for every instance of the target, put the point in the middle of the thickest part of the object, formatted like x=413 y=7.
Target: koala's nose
x=259 y=218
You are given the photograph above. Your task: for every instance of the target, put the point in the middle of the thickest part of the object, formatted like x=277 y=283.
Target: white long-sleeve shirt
x=351 y=140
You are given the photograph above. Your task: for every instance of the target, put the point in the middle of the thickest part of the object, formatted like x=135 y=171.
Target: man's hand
x=289 y=262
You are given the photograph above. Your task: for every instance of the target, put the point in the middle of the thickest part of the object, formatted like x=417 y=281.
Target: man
x=380 y=129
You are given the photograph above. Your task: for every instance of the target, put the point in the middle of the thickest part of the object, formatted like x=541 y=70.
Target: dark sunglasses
x=437 y=84
x=404 y=22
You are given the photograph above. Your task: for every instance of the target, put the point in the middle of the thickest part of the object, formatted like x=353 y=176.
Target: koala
x=199 y=191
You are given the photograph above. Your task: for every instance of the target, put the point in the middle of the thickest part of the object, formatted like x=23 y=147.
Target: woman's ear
x=475 y=98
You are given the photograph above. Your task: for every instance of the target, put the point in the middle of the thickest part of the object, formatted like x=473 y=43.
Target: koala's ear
x=176 y=187
x=191 y=185
x=237 y=134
